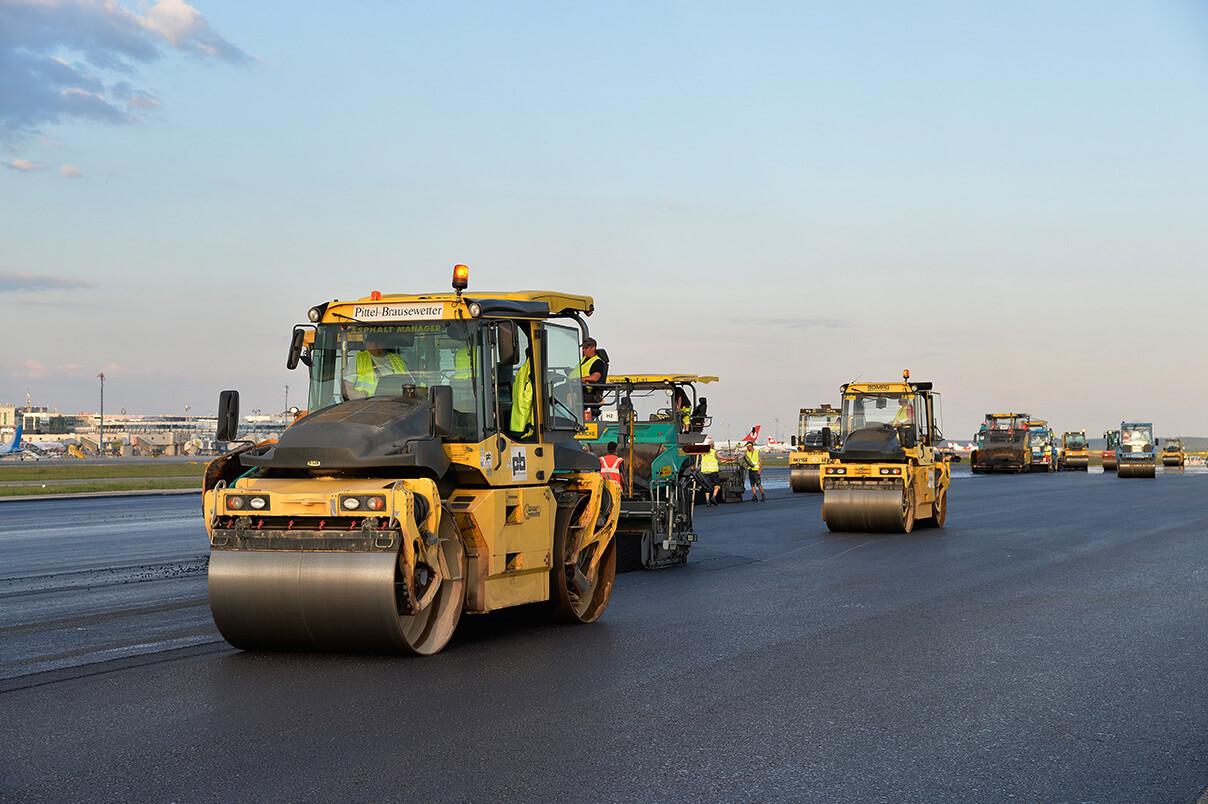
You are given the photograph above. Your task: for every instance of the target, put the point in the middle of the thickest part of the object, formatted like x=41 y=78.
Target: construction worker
x=683 y=410
x=754 y=464
x=463 y=364
x=372 y=363
x=522 y=399
x=610 y=465
x=711 y=469
x=905 y=414
x=591 y=369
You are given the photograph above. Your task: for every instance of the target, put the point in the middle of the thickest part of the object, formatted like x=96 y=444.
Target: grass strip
x=100 y=471
x=85 y=487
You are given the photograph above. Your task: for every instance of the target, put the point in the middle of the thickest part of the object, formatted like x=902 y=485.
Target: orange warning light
x=461 y=277
x=905 y=374
x=376 y=295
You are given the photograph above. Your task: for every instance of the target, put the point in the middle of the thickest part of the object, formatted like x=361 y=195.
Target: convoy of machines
x=1173 y=453
x=1002 y=444
x=1042 y=447
x=885 y=474
x=816 y=429
x=1112 y=443
x=445 y=467
x=1075 y=451
x=436 y=473
x=655 y=424
x=1136 y=453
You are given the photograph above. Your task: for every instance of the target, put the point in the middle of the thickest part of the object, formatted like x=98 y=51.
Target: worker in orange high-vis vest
x=610 y=465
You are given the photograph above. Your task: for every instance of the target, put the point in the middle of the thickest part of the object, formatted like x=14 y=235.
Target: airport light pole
x=100 y=441
x=287 y=399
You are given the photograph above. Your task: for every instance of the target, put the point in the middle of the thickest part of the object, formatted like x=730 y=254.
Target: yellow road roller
x=1076 y=451
x=435 y=474
x=816 y=429
x=1173 y=453
x=885 y=474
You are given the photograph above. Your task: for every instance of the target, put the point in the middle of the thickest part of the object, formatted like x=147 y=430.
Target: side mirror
x=442 y=410
x=906 y=436
x=624 y=416
x=509 y=354
x=792 y=441
x=228 y=416
x=826 y=437
x=295 y=349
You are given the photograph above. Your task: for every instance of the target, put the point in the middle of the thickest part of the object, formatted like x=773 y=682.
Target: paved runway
x=1049 y=644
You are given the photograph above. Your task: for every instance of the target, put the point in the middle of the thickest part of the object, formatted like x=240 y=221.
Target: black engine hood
x=870 y=445
x=384 y=431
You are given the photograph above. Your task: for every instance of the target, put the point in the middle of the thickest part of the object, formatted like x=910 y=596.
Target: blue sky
x=1008 y=199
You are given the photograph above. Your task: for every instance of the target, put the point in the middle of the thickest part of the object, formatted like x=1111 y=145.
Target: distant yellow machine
x=886 y=474
x=1075 y=451
x=436 y=473
x=817 y=429
x=1173 y=453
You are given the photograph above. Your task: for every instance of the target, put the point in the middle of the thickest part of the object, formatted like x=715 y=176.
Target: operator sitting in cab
x=905 y=415
x=372 y=363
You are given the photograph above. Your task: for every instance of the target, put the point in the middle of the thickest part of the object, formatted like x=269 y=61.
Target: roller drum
x=806 y=479
x=867 y=510
x=1136 y=470
x=316 y=601
x=1078 y=463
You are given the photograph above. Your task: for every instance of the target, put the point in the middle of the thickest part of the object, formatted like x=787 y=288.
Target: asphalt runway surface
x=1049 y=644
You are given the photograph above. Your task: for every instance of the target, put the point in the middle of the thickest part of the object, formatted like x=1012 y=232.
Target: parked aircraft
x=13 y=447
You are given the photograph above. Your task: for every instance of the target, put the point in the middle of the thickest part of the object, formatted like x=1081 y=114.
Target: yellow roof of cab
x=898 y=387
x=558 y=303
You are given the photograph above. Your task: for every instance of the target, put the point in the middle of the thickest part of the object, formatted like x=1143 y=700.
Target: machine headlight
x=372 y=502
x=240 y=502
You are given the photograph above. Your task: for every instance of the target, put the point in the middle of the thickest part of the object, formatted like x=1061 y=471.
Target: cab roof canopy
x=558 y=303
x=896 y=387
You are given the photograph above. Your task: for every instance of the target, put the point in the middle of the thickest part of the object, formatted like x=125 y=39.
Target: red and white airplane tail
x=752 y=436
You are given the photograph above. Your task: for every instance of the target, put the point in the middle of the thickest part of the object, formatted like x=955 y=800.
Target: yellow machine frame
x=889 y=496
x=492 y=538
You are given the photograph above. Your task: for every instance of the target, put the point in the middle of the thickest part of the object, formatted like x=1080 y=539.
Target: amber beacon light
x=461 y=277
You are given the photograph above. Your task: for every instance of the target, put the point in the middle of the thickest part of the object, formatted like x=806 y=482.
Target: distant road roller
x=1076 y=451
x=435 y=474
x=885 y=474
x=1002 y=444
x=1112 y=439
x=816 y=429
x=1173 y=453
x=1136 y=453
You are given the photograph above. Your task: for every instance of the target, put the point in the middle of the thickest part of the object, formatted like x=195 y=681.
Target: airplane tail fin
x=752 y=436
x=15 y=444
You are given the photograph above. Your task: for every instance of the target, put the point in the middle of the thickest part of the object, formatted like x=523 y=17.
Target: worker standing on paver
x=710 y=468
x=592 y=369
x=754 y=465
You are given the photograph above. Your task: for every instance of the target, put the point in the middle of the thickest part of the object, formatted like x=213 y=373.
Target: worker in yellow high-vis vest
x=711 y=469
x=754 y=464
x=372 y=362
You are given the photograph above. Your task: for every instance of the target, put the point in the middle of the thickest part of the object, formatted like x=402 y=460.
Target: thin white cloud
x=71 y=172
x=59 y=58
x=24 y=165
x=15 y=283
